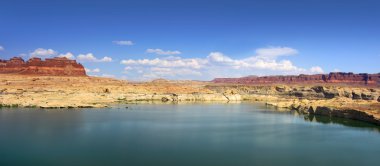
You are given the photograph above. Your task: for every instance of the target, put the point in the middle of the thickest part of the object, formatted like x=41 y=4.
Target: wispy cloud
x=2 y=48
x=274 y=52
x=162 y=52
x=316 y=69
x=123 y=42
x=89 y=57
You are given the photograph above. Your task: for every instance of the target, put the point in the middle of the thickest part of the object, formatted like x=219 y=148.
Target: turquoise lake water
x=183 y=135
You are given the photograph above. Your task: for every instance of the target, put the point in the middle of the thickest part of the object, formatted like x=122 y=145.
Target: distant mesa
x=160 y=80
x=58 y=66
x=334 y=77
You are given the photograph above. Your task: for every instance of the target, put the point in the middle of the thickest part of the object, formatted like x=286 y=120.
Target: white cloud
x=96 y=70
x=68 y=55
x=106 y=59
x=316 y=69
x=127 y=69
x=41 y=52
x=162 y=52
x=86 y=57
x=166 y=62
x=219 y=57
x=123 y=42
x=91 y=58
x=2 y=48
x=265 y=62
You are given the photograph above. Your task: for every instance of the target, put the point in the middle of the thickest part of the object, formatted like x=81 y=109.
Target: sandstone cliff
x=59 y=66
x=348 y=101
x=335 y=77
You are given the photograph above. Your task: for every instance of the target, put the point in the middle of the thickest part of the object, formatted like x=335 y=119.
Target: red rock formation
x=336 y=77
x=58 y=66
x=375 y=78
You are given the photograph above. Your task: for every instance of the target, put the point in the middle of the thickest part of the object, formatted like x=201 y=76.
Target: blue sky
x=147 y=39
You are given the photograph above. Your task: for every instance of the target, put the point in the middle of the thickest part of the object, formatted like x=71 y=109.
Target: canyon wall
x=335 y=77
x=58 y=66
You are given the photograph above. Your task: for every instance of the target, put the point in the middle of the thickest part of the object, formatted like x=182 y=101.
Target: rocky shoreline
x=351 y=102
x=346 y=101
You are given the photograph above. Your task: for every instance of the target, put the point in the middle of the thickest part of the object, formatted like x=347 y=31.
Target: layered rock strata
x=335 y=100
x=352 y=102
x=59 y=66
x=335 y=77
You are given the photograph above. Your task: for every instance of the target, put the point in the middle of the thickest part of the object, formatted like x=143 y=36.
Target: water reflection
x=63 y=117
x=182 y=134
x=320 y=119
x=341 y=121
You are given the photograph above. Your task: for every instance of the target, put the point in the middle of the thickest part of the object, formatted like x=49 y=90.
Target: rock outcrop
x=58 y=66
x=335 y=77
x=335 y=100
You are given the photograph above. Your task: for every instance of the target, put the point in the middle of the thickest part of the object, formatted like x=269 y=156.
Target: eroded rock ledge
x=333 y=77
x=353 y=102
x=338 y=100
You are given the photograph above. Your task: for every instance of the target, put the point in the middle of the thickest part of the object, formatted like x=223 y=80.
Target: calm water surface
x=185 y=134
